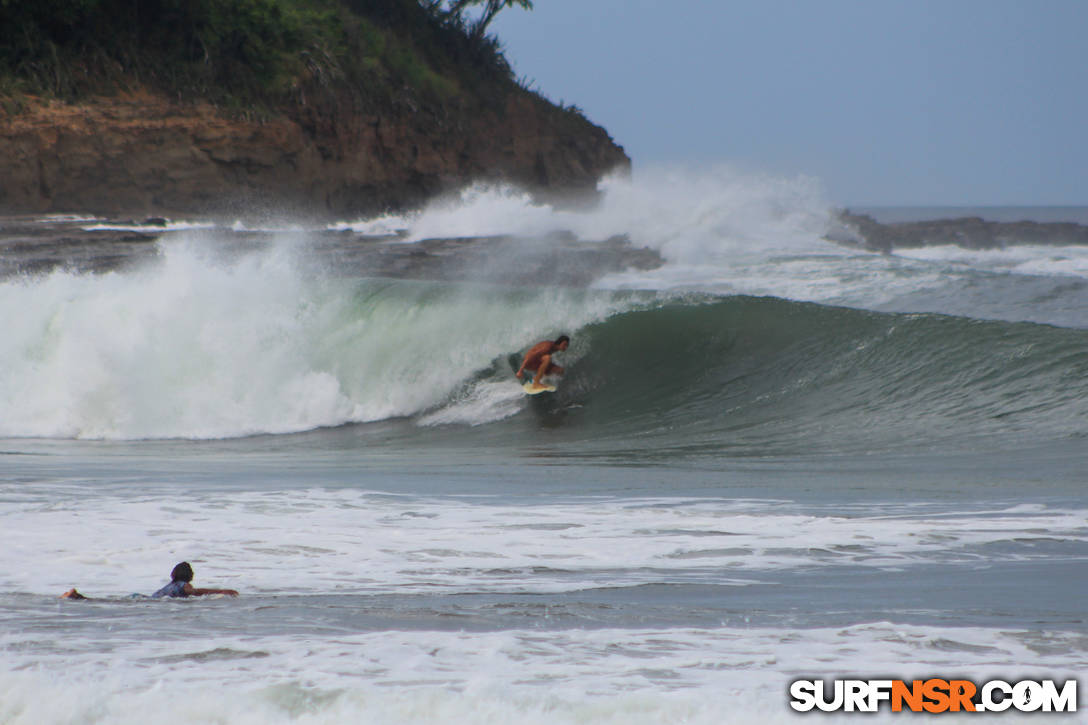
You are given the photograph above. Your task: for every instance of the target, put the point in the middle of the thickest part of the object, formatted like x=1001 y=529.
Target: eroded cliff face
x=144 y=154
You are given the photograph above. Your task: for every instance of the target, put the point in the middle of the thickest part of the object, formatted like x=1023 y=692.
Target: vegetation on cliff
x=251 y=54
x=323 y=106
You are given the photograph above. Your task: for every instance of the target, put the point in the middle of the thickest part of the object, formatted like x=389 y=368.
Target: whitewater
x=772 y=457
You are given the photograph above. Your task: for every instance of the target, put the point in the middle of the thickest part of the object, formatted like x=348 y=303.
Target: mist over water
x=710 y=218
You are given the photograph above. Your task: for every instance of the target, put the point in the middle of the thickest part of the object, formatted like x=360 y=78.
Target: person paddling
x=180 y=586
x=539 y=359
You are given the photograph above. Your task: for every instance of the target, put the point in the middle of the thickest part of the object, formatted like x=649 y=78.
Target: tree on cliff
x=491 y=9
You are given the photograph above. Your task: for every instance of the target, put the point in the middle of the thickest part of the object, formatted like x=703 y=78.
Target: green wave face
x=767 y=376
x=193 y=349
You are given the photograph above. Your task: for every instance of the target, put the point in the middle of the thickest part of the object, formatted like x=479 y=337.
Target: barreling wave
x=734 y=344
x=757 y=376
x=193 y=348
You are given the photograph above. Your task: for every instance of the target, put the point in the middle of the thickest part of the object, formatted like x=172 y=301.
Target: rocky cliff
x=145 y=154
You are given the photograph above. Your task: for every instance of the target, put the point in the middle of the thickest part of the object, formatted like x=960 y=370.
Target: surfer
x=539 y=359
x=179 y=586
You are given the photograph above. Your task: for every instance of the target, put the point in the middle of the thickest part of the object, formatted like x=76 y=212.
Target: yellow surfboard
x=531 y=389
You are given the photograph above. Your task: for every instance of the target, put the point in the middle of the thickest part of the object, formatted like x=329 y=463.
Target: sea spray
x=726 y=231
x=717 y=229
x=686 y=216
x=202 y=346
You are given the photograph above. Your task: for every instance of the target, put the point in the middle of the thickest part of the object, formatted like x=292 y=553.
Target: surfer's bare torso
x=539 y=359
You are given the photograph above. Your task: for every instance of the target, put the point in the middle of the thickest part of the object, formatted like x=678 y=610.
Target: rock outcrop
x=861 y=230
x=144 y=154
x=29 y=246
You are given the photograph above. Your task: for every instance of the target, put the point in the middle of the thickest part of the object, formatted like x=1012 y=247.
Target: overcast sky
x=886 y=102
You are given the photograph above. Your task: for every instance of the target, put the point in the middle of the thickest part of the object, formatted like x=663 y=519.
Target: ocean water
x=771 y=458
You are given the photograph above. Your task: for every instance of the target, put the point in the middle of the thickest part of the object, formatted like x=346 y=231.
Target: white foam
x=718 y=229
x=687 y=214
x=167 y=226
x=281 y=227
x=384 y=225
x=479 y=210
x=318 y=542
x=484 y=402
x=406 y=544
x=602 y=676
x=182 y=225
x=726 y=231
x=199 y=347
x=1022 y=259
x=66 y=218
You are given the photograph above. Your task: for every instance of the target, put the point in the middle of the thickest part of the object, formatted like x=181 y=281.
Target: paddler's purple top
x=173 y=589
